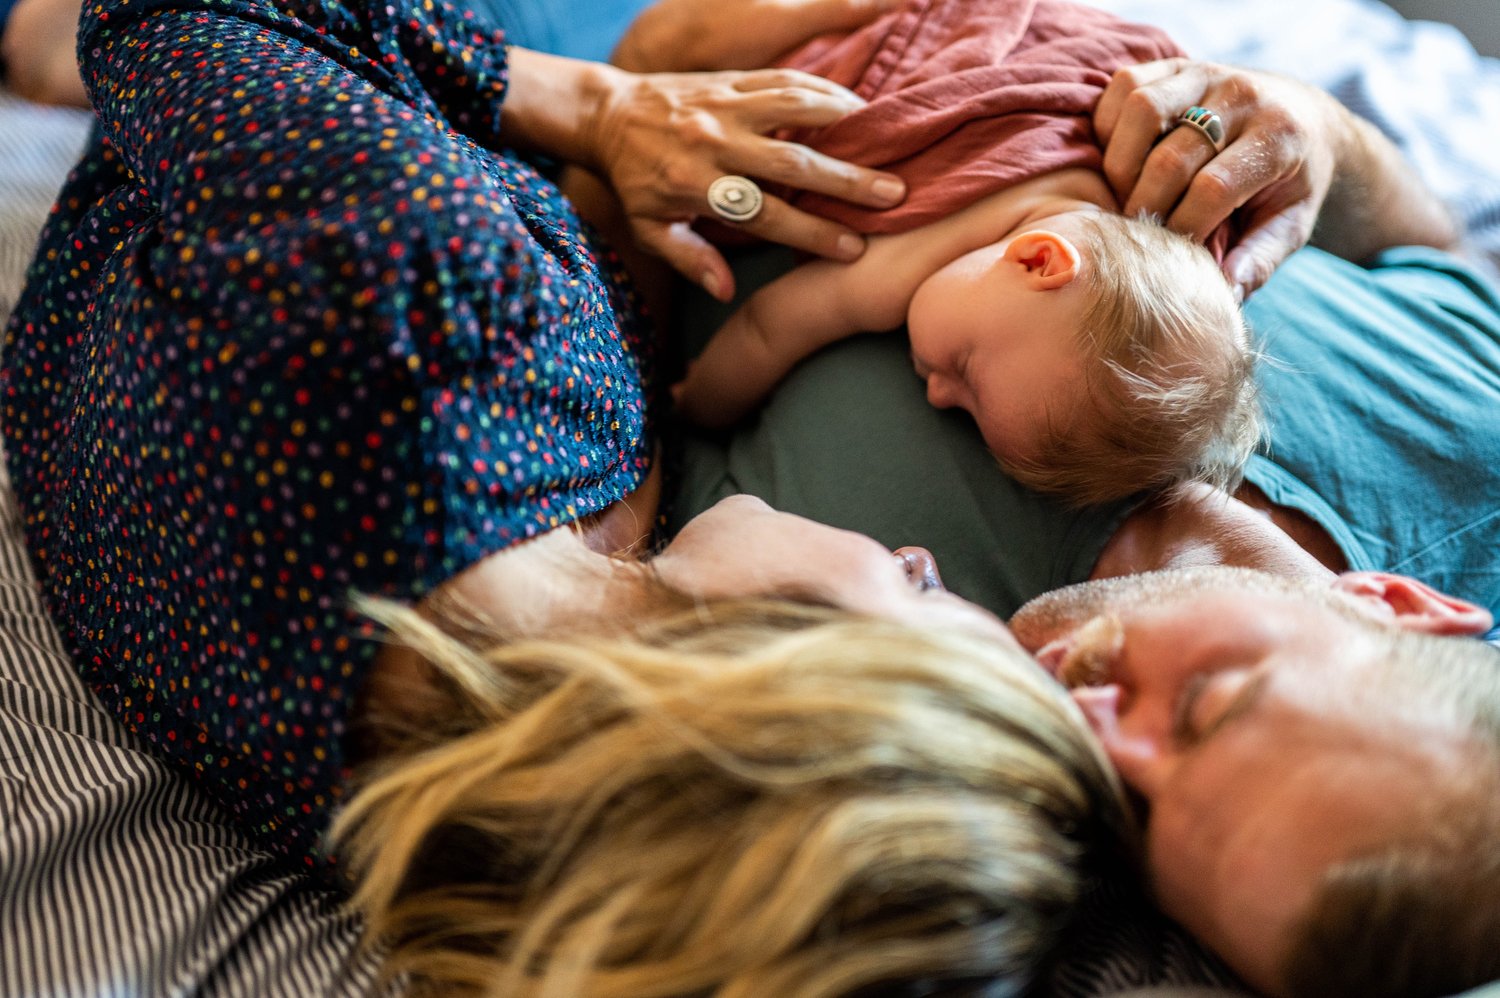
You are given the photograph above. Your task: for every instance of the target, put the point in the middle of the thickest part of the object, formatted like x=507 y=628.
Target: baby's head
x=1099 y=356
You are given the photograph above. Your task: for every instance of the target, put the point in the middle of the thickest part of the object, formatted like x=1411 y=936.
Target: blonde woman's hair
x=1171 y=380
x=743 y=799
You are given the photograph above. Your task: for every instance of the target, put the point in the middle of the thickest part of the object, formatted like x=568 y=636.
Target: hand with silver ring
x=662 y=140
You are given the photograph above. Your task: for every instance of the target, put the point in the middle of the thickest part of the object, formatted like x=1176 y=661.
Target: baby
x=1099 y=355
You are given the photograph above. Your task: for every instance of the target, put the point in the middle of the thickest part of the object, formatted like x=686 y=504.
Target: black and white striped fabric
x=116 y=878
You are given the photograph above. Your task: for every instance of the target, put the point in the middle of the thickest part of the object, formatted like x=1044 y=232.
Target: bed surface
x=115 y=879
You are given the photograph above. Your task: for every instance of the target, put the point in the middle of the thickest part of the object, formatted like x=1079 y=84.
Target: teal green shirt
x=1384 y=403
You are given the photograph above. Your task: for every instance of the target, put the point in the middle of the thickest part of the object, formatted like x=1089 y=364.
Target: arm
x=38 y=49
x=814 y=305
x=1377 y=200
x=781 y=324
x=681 y=35
x=1198 y=525
x=1291 y=152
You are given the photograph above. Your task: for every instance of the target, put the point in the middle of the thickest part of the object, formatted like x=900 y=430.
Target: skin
x=1250 y=839
x=37 y=45
x=1293 y=156
x=567 y=580
x=1257 y=721
x=660 y=139
x=1014 y=242
x=1008 y=307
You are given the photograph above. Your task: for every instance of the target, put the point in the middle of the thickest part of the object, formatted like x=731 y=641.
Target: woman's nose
x=920 y=566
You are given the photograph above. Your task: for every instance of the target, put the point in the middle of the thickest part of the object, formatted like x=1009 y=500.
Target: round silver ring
x=735 y=199
x=1206 y=123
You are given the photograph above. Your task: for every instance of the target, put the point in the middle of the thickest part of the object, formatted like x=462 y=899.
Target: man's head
x=1300 y=750
x=1099 y=356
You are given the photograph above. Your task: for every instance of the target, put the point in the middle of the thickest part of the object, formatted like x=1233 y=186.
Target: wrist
x=555 y=105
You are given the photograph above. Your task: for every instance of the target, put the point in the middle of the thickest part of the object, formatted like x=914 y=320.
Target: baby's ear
x=1051 y=260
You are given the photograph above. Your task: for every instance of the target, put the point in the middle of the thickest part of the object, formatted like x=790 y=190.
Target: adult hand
x=662 y=139
x=1282 y=141
x=684 y=35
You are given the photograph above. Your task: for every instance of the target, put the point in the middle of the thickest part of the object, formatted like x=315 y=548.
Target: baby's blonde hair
x=1171 y=372
x=743 y=799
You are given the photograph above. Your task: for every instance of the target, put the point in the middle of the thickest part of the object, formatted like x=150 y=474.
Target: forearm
x=776 y=328
x=1377 y=200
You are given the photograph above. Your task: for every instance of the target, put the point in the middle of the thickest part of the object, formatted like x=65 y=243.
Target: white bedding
x=116 y=880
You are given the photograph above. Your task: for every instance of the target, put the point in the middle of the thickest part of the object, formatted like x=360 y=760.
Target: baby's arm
x=798 y=314
x=782 y=323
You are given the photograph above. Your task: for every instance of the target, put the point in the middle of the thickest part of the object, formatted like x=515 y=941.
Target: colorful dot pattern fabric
x=298 y=330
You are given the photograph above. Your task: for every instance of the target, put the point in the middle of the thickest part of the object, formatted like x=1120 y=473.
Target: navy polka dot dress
x=299 y=327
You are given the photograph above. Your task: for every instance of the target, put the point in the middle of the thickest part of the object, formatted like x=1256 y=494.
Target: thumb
x=1265 y=245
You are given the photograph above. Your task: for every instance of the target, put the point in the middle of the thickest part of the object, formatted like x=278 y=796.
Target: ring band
x=1207 y=123
x=735 y=199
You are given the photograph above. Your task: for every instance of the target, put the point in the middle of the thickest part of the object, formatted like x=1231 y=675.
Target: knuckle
x=677 y=175
x=1141 y=103
x=699 y=129
x=1171 y=161
x=790 y=159
x=1212 y=186
x=1128 y=76
x=797 y=99
x=1238 y=90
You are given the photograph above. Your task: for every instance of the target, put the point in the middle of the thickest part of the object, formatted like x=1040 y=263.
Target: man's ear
x=1141 y=760
x=1051 y=260
x=1414 y=606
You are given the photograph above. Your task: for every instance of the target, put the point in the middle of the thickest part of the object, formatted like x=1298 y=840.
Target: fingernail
x=889 y=190
x=850 y=246
x=1239 y=293
x=710 y=282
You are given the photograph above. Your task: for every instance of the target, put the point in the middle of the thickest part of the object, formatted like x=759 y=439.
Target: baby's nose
x=942 y=391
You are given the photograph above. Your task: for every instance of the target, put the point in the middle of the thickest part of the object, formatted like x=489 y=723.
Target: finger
x=689 y=254
x=1121 y=85
x=806 y=169
x=779 y=222
x=793 y=107
x=783 y=79
x=1168 y=171
x=1222 y=186
x=1145 y=115
x=1266 y=244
